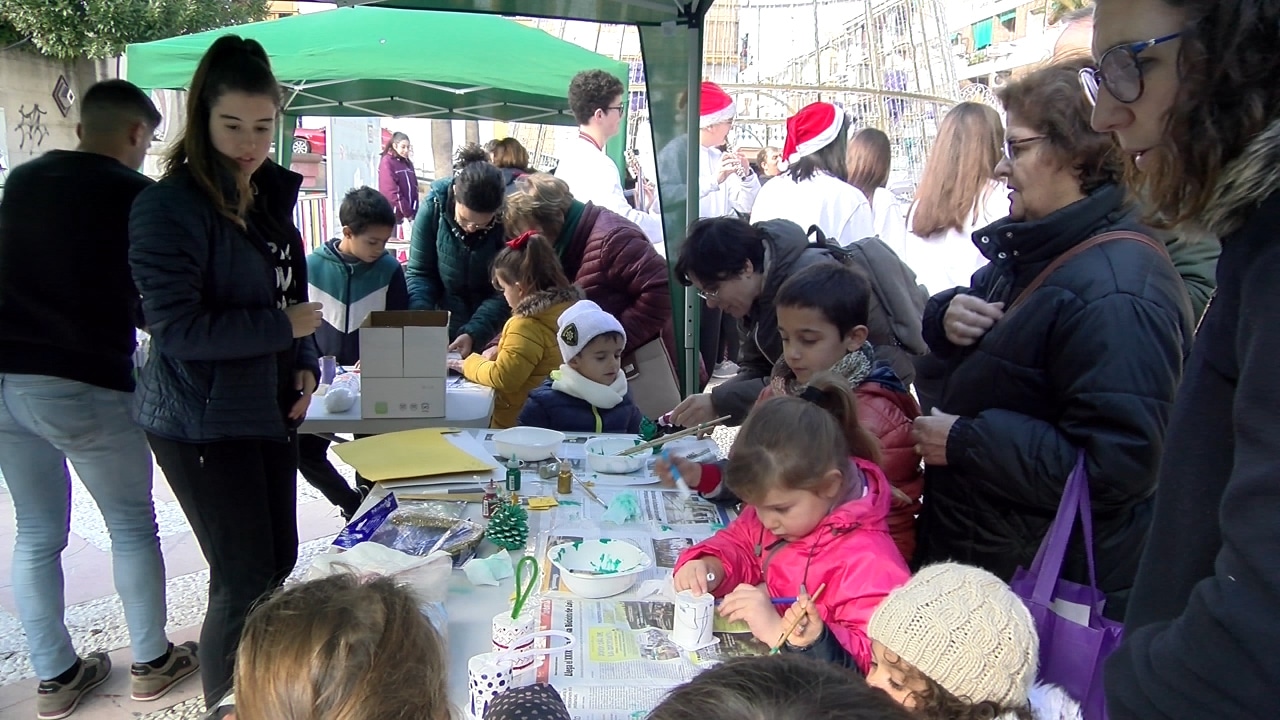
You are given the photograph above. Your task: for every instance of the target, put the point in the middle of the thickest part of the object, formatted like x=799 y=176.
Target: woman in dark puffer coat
x=456 y=236
x=1090 y=362
x=223 y=277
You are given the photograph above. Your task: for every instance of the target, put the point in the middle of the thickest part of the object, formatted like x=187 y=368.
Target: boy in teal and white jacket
x=350 y=276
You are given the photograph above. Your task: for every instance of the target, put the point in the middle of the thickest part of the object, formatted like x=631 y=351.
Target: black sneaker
x=55 y=700
x=148 y=683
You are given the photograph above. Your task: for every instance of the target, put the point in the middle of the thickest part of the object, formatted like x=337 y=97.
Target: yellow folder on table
x=409 y=454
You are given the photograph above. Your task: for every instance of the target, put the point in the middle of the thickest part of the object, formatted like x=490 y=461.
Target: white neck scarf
x=571 y=382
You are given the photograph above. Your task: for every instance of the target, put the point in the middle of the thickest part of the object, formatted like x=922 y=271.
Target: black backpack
x=893 y=283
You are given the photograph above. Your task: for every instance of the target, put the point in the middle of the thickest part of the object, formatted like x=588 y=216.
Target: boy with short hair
x=350 y=276
x=588 y=394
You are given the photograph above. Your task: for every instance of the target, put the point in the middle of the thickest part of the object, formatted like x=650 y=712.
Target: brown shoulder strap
x=1066 y=256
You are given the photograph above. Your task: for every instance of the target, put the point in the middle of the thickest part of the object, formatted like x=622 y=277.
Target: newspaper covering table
x=624 y=661
x=573 y=450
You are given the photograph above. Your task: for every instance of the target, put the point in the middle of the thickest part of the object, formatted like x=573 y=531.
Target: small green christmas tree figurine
x=509 y=527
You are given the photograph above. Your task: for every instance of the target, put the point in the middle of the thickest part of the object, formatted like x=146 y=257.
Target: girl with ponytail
x=223 y=277
x=528 y=274
x=815 y=516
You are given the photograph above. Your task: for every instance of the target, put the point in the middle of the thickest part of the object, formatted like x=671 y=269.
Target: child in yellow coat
x=528 y=273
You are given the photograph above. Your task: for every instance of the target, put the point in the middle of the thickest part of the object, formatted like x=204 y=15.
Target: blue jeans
x=44 y=422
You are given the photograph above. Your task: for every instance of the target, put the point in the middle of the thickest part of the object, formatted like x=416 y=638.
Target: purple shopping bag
x=1075 y=639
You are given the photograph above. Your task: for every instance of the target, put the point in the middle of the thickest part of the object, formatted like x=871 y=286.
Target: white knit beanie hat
x=581 y=323
x=966 y=630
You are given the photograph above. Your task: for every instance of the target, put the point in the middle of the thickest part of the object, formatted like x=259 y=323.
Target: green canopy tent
x=671 y=45
x=368 y=61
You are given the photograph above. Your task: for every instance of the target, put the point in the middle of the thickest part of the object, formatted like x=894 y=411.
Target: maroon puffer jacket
x=610 y=258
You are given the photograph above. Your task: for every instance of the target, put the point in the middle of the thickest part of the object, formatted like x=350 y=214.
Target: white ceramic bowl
x=603 y=457
x=599 y=568
x=528 y=443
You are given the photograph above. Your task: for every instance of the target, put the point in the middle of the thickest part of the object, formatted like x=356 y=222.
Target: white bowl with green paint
x=599 y=568
x=603 y=457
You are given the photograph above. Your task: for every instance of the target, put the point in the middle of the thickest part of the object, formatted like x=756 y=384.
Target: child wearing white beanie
x=589 y=392
x=955 y=643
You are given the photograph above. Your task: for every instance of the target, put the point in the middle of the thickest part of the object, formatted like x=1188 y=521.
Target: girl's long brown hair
x=231 y=64
x=530 y=262
x=341 y=648
x=793 y=442
x=869 y=159
x=962 y=162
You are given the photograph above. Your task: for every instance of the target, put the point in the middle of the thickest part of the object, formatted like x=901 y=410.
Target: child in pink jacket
x=815 y=517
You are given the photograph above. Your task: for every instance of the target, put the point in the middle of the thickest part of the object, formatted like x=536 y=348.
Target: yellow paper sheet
x=409 y=454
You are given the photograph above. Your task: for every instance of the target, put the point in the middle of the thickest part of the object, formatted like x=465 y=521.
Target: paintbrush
x=777 y=647
x=591 y=494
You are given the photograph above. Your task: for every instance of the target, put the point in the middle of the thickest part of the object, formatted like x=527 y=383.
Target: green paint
x=665 y=528
x=570 y=502
x=606 y=564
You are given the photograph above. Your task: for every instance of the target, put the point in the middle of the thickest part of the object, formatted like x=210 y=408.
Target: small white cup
x=694 y=620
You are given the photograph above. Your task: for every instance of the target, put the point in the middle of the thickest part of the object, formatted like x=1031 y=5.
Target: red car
x=312 y=140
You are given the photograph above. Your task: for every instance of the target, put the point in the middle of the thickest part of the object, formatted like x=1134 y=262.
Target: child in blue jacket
x=350 y=277
x=588 y=394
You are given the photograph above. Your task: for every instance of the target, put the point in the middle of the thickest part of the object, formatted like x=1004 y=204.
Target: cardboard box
x=402 y=397
x=404 y=344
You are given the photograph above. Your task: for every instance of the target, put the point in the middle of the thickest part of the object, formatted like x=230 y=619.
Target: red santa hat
x=714 y=105
x=810 y=130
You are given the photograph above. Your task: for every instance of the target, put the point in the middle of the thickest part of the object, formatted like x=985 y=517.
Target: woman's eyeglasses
x=1120 y=71
x=1012 y=147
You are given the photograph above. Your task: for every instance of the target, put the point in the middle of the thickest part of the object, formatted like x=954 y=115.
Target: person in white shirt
x=726 y=186
x=958 y=194
x=595 y=97
x=870 y=157
x=812 y=189
x=726 y=183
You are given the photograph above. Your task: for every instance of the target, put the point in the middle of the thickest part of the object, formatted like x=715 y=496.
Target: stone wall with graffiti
x=37 y=103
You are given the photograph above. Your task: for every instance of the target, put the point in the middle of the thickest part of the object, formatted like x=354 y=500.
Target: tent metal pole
x=692 y=309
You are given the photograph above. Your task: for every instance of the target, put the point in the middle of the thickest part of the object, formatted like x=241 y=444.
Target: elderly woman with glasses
x=456 y=236
x=1070 y=340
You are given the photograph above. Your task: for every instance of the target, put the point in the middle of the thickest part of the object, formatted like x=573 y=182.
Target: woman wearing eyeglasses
x=456 y=236
x=1190 y=91
x=1041 y=367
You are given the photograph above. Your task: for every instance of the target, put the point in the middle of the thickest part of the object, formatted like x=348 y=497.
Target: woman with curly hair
x=1188 y=88
x=1060 y=345
x=456 y=236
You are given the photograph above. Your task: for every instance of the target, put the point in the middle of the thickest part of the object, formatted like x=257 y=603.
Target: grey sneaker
x=56 y=700
x=147 y=683
x=726 y=369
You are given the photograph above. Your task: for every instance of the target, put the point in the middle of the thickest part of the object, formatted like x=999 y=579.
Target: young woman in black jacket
x=1188 y=87
x=223 y=277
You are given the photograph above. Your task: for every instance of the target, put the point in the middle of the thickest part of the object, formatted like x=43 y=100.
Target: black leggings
x=313 y=462
x=241 y=498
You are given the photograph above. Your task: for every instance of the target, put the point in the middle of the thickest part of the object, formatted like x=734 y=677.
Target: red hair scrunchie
x=518 y=242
